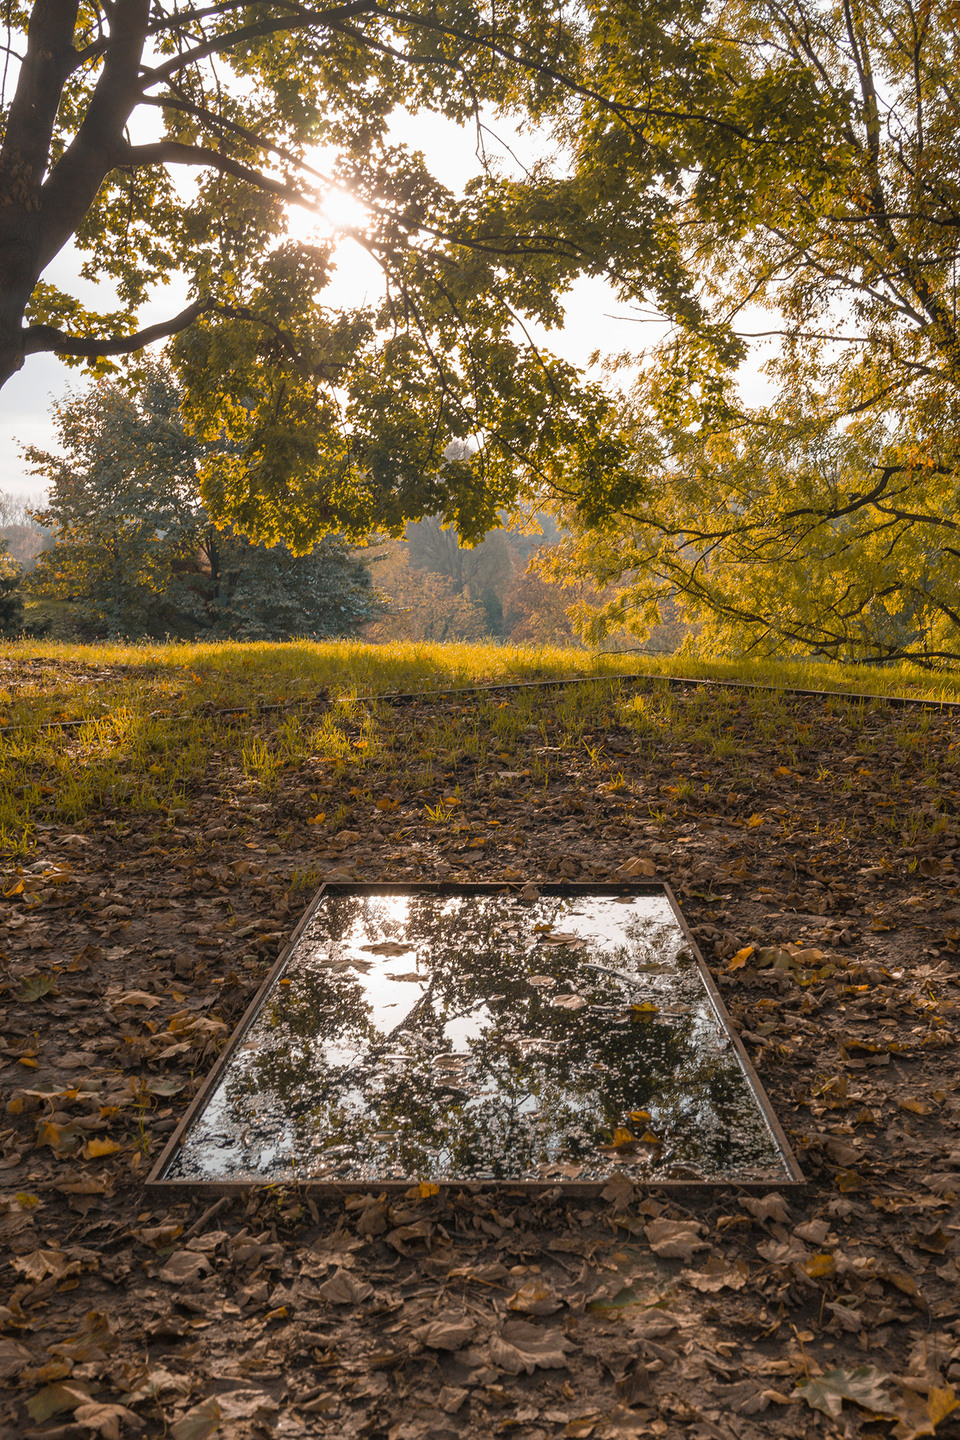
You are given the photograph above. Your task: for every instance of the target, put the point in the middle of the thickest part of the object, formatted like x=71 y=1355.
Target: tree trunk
x=41 y=207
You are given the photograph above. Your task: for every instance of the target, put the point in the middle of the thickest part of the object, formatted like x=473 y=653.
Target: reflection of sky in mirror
x=473 y=1036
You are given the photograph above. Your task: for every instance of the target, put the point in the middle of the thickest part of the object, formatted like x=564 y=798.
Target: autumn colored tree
x=824 y=521
x=418 y=604
x=168 y=141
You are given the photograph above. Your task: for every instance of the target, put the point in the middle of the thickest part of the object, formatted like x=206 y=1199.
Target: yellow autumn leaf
x=754 y=821
x=623 y=1138
x=639 y=1116
x=49 y=1133
x=318 y=819
x=916 y=1107
x=941 y=1403
x=423 y=1191
x=96 y=1149
x=819 y=1265
x=741 y=958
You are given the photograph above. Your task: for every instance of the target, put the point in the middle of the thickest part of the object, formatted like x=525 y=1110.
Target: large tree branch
x=37 y=338
x=218 y=44
x=172 y=152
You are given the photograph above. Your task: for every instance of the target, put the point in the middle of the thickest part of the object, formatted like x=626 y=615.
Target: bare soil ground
x=812 y=847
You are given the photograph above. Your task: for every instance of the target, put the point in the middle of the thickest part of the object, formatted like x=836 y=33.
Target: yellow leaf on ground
x=818 y=1266
x=916 y=1107
x=741 y=958
x=96 y=1149
x=754 y=821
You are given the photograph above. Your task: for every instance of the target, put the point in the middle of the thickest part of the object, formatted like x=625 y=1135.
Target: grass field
x=194 y=675
x=152 y=731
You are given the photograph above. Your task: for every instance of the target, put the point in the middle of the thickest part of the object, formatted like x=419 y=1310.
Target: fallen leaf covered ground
x=812 y=846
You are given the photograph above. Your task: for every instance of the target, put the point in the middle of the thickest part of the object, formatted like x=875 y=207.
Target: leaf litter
x=825 y=900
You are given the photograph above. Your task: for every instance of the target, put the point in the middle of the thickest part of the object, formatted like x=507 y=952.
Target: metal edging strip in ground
x=676 y=682
x=186 y=1188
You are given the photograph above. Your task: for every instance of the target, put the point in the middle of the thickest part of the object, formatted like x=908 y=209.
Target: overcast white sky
x=595 y=319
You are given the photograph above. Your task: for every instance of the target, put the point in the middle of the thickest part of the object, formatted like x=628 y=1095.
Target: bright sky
x=594 y=319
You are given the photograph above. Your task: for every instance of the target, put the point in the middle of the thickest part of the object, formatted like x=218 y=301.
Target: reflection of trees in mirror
x=450 y=1057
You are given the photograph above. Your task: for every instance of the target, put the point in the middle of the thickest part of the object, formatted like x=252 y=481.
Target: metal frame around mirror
x=465 y=1034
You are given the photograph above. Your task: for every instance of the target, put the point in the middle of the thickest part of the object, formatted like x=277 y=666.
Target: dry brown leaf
x=446 y=1333
x=135 y=997
x=184 y=1267
x=199 y=1423
x=40 y=1263
x=717 y=1274
x=638 y=865
x=767 y=1207
x=105 y=1420
x=567 y=1002
x=343 y=1289
x=13 y=1358
x=534 y=1298
x=675 y=1239
x=521 y=1346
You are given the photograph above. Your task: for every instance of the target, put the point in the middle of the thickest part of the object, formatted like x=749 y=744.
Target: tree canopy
x=167 y=140
x=824 y=520
x=171 y=140
x=136 y=552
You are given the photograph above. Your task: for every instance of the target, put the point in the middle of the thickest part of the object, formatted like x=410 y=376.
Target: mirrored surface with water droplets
x=435 y=1035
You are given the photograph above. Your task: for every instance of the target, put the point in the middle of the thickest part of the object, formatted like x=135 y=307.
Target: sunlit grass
x=151 y=738
x=190 y=676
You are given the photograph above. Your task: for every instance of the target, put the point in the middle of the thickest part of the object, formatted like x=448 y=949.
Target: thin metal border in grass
x=156 y=1181
x=403 y=697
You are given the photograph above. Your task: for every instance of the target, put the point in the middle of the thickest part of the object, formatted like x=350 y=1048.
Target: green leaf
x=36 y=987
